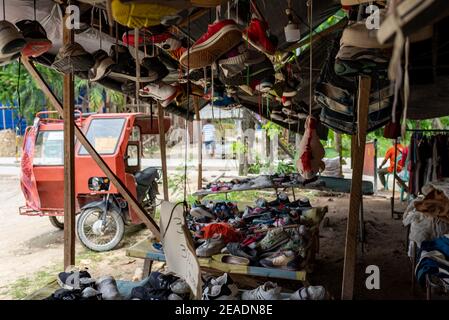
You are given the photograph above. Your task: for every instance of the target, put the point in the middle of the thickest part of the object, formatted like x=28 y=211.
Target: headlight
x=98 y=184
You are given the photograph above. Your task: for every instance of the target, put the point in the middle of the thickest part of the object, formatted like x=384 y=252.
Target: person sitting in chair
x=390 y=155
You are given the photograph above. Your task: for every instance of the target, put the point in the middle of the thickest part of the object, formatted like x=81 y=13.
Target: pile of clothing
x=278 y=234
x=224 y=288
x=433 y=263
x=428 y=214
x=357 y=52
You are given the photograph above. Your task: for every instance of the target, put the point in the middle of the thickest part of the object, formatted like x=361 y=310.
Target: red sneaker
x=220 y=37
x=145 y=37
x=256 y=35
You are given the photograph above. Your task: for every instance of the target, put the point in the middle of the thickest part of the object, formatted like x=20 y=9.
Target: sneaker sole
x=80 y=63
x=14 y=45
x=258 y=47
x=209 y=51
x=133 y=78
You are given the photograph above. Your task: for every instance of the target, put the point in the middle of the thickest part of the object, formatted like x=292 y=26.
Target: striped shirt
x=209 y=132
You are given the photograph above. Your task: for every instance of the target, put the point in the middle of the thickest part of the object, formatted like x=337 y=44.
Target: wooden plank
x=69 y=159
x=121 y=187
x=196 y=105
x=160 y=111
x=356 y=189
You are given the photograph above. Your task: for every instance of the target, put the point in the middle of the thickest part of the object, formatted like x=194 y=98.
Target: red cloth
x=229 y=233
x=27 y=179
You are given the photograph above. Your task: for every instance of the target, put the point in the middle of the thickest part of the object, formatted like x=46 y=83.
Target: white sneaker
x=221 y=288
x=267 y=291
x=309 y=293
x=161 y=91
x=211 y=246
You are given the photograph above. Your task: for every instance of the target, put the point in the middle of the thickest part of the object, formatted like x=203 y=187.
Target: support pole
x=121 y=187
x=162 y=142
x=196 y=105
x=356 y=189
x=69 y=158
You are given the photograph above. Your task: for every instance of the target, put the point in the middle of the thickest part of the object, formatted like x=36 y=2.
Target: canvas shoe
x=156 y=69
x=160 y=91
x=125 y=66
x=8 y=58
x=273 y=239
x=102 y=66
x=211 y=246
x=310 y=293
x=160 y=281
x=35 y=36
x=146 y=37
x=221 y=288
x=73 y=58
x=267 y=291
x=142 y=15
x=256 y=35
x=11 y=39
x=265 y=85
x=74 y=280
x=220 y=37
x=108 y=288
x=286 y=260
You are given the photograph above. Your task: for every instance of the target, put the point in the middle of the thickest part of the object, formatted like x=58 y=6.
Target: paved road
x=26 y=243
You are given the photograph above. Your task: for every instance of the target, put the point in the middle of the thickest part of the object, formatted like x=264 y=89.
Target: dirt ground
x=31 y=249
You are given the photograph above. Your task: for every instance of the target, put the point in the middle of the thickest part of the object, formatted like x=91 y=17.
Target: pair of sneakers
x=221 y=288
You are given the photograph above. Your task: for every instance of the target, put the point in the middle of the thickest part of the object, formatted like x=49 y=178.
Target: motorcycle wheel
x=95 y=238
x=57 y=222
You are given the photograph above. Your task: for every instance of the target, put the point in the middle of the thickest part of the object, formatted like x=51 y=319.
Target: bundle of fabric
x=427 y=214
x=434 y=261
x=337 y=94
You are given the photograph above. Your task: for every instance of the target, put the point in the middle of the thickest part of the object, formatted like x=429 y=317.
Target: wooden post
x=356 y=189
x=121 y=187
x=196 y=104
x=69 y=159
x=162 y=142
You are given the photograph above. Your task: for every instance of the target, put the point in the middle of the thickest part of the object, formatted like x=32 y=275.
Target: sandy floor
x=29 y=245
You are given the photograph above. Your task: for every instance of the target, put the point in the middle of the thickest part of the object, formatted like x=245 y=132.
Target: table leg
x=147 y=264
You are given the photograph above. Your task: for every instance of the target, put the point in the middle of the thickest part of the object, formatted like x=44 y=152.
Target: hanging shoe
x=256 y=35
x=35 y=36
x=265 y=85
x=142 y=15
x=161 y=91
x=11 y=40
x=145 y=37
x=102 y=67
x=156 y=69
x=220 y=38
x=73 y=58
x=8 y=58
x=125 y=66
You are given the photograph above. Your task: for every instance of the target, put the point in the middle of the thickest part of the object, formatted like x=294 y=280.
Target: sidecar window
x=49 y=149
x=104 y=135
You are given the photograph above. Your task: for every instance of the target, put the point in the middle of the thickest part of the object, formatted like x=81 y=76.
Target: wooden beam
x=121 y=187
x=163 y=145
x=196 y=104
x=358 y=155
x=69 y=159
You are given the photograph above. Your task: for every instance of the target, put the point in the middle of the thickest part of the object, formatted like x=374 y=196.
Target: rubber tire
x=55 y=223
x=106 y=247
